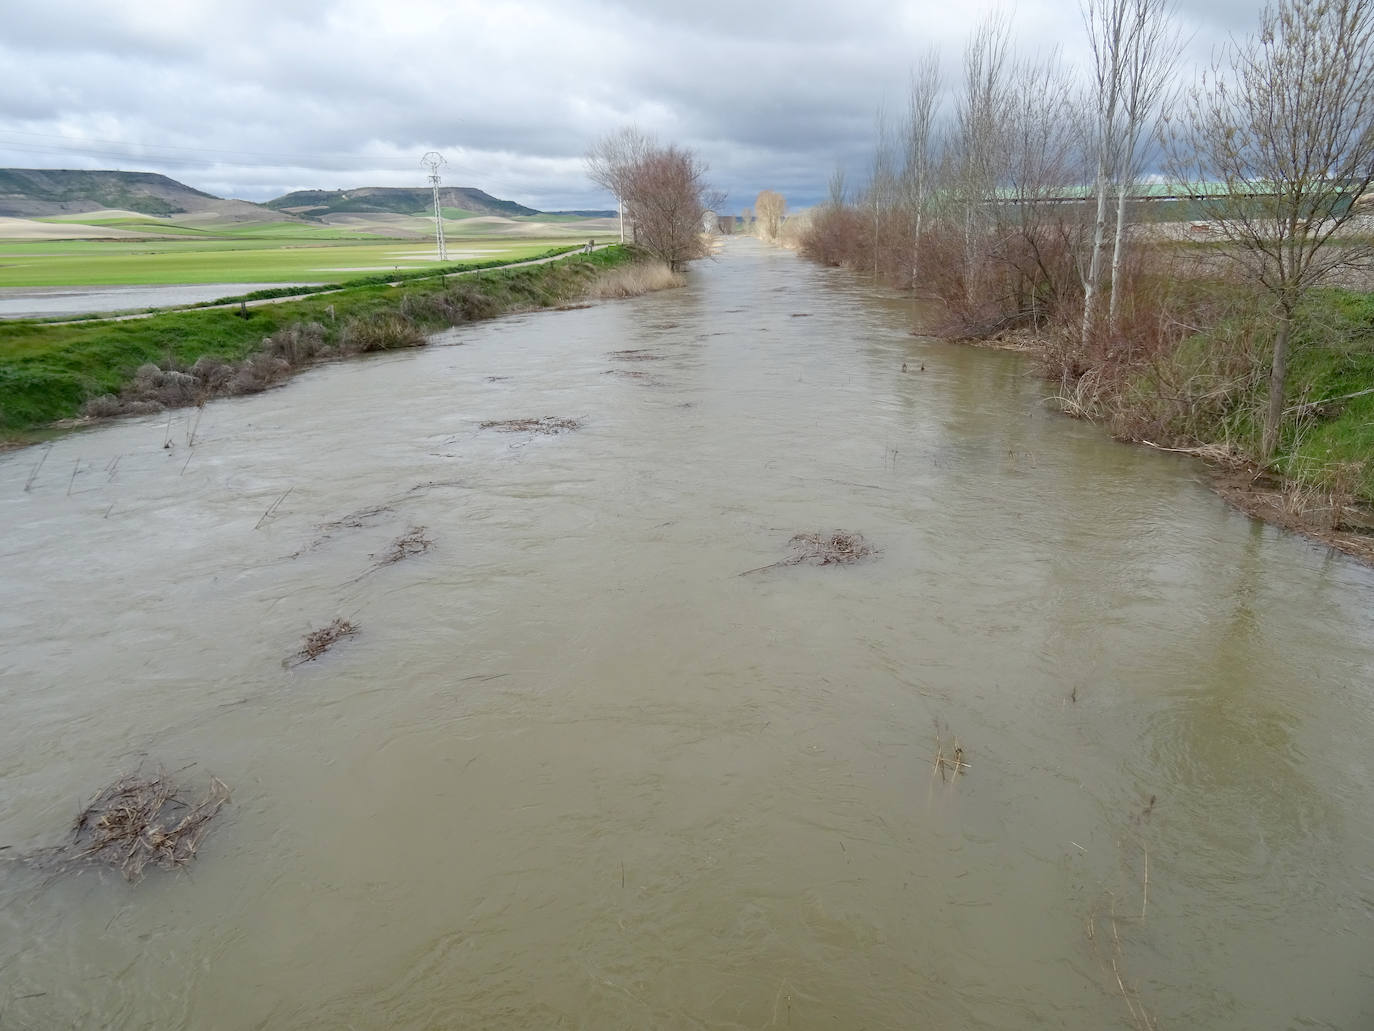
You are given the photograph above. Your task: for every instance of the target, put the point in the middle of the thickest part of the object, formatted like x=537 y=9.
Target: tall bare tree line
x=1007 y=192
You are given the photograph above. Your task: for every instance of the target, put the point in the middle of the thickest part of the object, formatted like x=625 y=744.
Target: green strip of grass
x=252 y=258
x=47 y=372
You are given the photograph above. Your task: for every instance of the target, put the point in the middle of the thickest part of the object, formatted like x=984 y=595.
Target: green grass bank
x=52 y=372
x=1191 y=374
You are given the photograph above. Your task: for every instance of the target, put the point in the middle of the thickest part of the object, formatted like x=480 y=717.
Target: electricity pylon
x=435 y=161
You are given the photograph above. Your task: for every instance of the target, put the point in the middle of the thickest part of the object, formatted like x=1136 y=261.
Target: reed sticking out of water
x=1140 y=1018
x=317 y=642
x=948 y=766
x=272 y=508
x=140 y=819
x=34 y=474
x=835 y=548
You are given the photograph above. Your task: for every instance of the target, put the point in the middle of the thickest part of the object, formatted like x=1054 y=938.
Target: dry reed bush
x=256 y=373
x=632 y=280
x=385 y=332
x=832 y=237
x=298 y=344
x=317 y=642
x=154 y=389
x=548 y=425
x=832 y=548
x=106 y=406
x=139 y=820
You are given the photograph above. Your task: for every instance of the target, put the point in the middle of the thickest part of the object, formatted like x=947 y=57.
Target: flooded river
x=574 y=771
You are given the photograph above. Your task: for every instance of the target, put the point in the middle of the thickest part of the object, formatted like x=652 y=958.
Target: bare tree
x=883 y=182
x=1286 y=127
x=922 y=149
x=977 y=142
x=1107 y=24
x=611 y=161
x=666 y=196
x=1037 y=236
x=770 y=206
x=838 y=191
x=1153 y=45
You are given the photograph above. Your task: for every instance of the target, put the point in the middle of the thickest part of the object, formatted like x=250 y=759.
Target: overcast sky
x=258 y=97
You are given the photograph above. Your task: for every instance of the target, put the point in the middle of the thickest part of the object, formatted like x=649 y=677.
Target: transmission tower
x=435 y=161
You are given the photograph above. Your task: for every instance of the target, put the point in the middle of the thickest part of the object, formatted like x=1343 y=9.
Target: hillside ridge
x=47 y=192
x=397 y=200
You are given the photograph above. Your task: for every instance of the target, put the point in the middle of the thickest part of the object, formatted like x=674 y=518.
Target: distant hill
x=393 y=200
x=584 y=213
x=43 y=192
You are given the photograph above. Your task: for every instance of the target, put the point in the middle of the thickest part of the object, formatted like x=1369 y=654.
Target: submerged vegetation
x=50 y=372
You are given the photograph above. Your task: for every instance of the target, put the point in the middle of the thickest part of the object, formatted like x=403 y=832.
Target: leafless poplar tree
x=1037 y=235
x=1107 y=24
x=922 y=150
x=977 y=141
x=611 y=161
x=1285 y=125
x=1153 y=45
x=770 y=207
x=882 y=183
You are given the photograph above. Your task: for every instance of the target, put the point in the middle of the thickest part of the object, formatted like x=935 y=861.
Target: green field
x=266 y=254
x=48 y=370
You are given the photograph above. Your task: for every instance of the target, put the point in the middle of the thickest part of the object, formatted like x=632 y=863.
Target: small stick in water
x=272 y=508
x=34 y=475
x=1145 y=887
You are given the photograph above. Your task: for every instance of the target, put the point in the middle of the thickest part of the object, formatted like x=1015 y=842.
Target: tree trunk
x=1113 y=325
x=1278 y=377
x=1094 y=277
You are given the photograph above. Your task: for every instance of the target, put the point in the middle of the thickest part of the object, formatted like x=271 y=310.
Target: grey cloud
x=253 y=99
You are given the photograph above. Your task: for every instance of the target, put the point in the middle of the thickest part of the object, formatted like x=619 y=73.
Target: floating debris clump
x=548 y=425
x=833 y=548
x=137 y=821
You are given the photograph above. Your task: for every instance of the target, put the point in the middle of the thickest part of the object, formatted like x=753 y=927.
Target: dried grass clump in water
x=136 y=821
x=633 y=280
x=836 y=548
x=414 y=542
x=636 y=355
x=950 y=757
x=317 y=642
x=548 y=425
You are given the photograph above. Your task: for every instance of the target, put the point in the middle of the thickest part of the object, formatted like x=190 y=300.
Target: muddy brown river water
x=576 y=772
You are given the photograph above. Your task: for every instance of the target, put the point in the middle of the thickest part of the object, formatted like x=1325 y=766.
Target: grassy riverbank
x=52 y=372
x=1189 y=373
